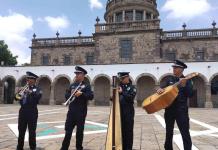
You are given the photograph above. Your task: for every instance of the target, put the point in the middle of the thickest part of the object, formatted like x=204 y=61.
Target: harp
x=114 y=133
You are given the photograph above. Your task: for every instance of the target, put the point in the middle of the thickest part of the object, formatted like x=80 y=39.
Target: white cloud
x=57 y=23
x=95 y=4
x=186 y=9
x=13 y=29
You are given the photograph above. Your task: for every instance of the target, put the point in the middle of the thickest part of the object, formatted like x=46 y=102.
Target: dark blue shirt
x=128 y=94
x=184 y=92
x=31 y=99
x=82 y=100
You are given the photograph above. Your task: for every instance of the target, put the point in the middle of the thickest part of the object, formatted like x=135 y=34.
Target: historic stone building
x=131 y=34
x=130 y=40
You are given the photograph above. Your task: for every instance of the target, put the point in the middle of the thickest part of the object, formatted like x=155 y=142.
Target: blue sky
x=19 y=19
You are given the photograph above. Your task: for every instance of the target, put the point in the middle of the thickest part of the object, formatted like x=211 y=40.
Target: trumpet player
x=77 y=108
x=28 y=98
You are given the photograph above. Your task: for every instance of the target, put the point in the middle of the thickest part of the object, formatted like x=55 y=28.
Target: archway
x=214 y=91
x=102 y=90
x=8 y=90
x=1 y=92
x=45 y=84
x=199 y=92
x=60 y=87
x=145 y=87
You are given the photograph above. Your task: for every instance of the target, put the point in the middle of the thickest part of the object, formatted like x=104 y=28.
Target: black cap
x=31 y=75
x=80 y=70
x=123 y=74
x=180 y=64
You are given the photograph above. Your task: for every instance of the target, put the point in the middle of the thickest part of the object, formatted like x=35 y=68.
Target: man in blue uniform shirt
x=77 y=109
x=127 y=94
x=178 y=110
x=28 y=113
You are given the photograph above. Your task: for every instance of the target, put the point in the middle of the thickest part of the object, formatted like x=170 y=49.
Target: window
x=67 y=60
x=139 y=15
x=45 y=60
x=148 y=15
x=128 y=15
x=214 y=87
x=90 y=59
x=199 y=55
x=126 y=48
x=119 y=17
x=171 y=56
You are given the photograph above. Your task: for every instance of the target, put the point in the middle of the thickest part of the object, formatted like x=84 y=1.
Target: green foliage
x=6 y=56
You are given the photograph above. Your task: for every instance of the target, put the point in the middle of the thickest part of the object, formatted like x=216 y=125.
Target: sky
x=20 y=19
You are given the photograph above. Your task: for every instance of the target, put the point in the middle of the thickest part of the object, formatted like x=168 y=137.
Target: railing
x=63 y=41
x=182 y=34
x=127 y=26
x=115 y=2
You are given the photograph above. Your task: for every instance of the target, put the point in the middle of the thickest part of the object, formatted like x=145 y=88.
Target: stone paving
x=149 y=132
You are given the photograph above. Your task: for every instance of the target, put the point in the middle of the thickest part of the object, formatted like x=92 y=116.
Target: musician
x=127 y=94
x=178 y=110
x=77 y=109
x=28 y=113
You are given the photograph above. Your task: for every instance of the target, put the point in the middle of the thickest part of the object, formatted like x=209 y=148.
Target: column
x=134 y=15
x=114 y=18
x=92 y=103
x=144 y=15
x=1 y=94
x=208 y=102
x=123 y=15
x=51 y=101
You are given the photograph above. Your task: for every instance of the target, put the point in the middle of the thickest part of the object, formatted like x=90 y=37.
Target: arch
x=199 y=91
x=44 y=82
x=212 y=77
x=8 y=84
x=214 y=90
x=21 y=81
x=101 y=75
x=145 y=87
x=1 y=92
x=146 y=74
x=102 y=90
x=60 y=85
x=87 y=79
x=163 y=79
x=60 y=76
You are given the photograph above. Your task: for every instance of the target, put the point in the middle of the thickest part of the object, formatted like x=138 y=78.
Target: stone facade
x=131 y=34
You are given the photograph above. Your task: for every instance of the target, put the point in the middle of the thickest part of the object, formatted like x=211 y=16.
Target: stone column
x=92 y=102
x=51 y=101
x=114 y=18
x=144 y=15
x=134 y=15
x=152 y=16
x=123 y=15
x=1 y=94
x=208 y=102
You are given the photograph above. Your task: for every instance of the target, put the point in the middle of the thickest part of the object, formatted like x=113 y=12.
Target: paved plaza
x=149 y=132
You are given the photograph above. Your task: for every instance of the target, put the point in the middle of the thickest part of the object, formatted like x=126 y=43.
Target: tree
x=6 y=56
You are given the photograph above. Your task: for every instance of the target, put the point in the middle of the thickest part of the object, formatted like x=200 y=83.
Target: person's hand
x=183 y=82
x=78 y=93
x=120 y=90
x=160 y=91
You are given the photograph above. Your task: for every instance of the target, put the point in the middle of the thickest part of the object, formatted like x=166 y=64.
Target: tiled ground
x=149 y=133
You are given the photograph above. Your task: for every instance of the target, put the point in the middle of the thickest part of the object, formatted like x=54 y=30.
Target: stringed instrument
x=114 y=132
x=157 y=101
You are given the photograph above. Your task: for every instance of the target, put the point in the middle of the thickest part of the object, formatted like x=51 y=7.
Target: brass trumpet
x=19 y=95
x=72 y=96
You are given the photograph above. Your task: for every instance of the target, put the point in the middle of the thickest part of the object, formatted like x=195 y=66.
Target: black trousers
x=180 y=115
x=27 y=117
x=127 y=121
x=77 y=119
